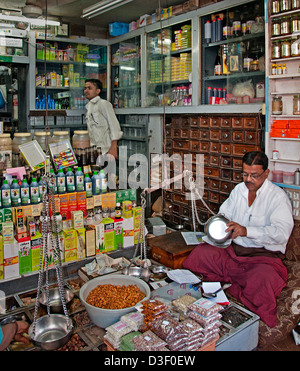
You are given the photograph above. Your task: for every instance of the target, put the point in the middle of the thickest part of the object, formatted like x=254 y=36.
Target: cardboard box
x=109 y=234
x=8 y=232
x=80 y=243
x=11 y=259
x=99 y=235
x=90 y=240
x=72 y=201
x=77 y=219
x=81 y=202
x=118 y=238
x=36 y=246
x=64 y=207
x=70 y=244
x=108 y=200
x=128 y=232
x=24 y=255
x=127 y=209
x=190 y=5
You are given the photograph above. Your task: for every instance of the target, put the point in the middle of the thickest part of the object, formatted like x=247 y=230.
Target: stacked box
x=80 y=243
x=90 y=240
x=24 y=255
x=128 y=232
x=99 y=235
x=36 y=246
x=137 y=213
x=118 y=238
x=70 y=250
x=11 y=259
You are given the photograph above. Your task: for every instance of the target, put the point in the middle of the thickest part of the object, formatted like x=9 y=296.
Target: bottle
x=207 y=32
x=297 y=177
x=234 y=63
x=230 y=29
x=96 y=183
x=103 y=181
x=244 y=19
x=219 y=30
x=116 y=81
x=42 y=187
x=209 y=93
x=79 y=180
x=25 y=192
x=53 y=182
x=213 y=30
x=225 y=59
x=34 y=192
x=226 y=28
x=247 y=59
x=15 y=193
x=236 y=24
x=218 y=65
x=88 y=186
x=70 y=180
x=61 y=182
x=5 y=194
x=118 y=211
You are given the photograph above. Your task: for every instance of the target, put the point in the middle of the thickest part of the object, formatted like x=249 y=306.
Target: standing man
x=103 y=125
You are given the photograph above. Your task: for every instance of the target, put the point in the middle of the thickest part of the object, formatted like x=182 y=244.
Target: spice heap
x=114 y=296
x=151 y=310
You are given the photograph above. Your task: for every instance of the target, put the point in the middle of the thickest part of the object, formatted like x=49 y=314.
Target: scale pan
x=51 y=331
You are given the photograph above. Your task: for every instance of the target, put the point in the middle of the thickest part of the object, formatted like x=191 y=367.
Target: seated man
x=261 y=222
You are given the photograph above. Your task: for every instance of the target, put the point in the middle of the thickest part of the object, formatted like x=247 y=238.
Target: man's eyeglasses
x=252 y=176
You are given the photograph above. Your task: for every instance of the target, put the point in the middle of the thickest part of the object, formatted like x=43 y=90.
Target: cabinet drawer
x=237 y=163
x=226 y=135
x=194 y=134
x=226 y=161
x=204 y=122
x=214 y=160
x=251 y=137
x=181 y=144
x=250 y=123
x=211 y=172
x=226 y=174
x=241 y=149
x=226 y=123
x=214 y=207
x=176 y=122
x=213 y=196
x=237 y=176
x=225 y=187
x=215 y=134
x=238 y=136
x=194 y=146
x=215 y=147
x=215 y=122
x=194 y=122
x=226 y=148
x=204 y=147
x=168 y=132
x=204 y=135
x=185 y=122
x=179 y=197
x=237 y=122
x=213 y=184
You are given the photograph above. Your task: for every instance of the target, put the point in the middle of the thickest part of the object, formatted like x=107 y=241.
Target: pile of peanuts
x=114 y=296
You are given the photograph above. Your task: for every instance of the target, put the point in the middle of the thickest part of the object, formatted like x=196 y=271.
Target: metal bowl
x=139 y=272
x=215 y=229
x=51 y=331
x=55 y=300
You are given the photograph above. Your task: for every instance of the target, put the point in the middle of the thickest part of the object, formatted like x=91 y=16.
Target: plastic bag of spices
x=205 y=307
x=148 y=341
x=134 y=320
x=167 y=328
x=181 y=304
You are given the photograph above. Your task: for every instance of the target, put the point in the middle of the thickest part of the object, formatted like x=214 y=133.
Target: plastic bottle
x=297 y=177
x=15 y=193
x=79 y=180
x=213 y=30
x=5 y=194
x=88 y=186
x=42 y=187
x=61 y=182
x=96 y=183
x=207 y=32
x=70 y=180
x=103 y=181
x=118 y=211
x=34 y=192
x=25 y=192
x=53 y=183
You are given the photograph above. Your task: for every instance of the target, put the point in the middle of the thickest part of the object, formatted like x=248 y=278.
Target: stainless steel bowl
x=55 y=300
x=139 y=272
x=51 y=331
x=215 y=229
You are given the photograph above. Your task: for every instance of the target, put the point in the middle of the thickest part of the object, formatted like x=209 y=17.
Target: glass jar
x=43 y=138
x=285 y=5
x=295 y=4
x=285 y=27
x=60 y=136
x=276 y=27
x=81 y=139
x=296 y=105
x=276 y=50
x=277 y=105
x=275 y=6
x=254 y=66
x=285 y=48
x=19 y=138
x=295 y=47
x=295 y=23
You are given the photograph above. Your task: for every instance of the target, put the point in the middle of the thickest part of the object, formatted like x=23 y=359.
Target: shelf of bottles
x=126 y=74
x=234 y=40
x=67 y=67
x=169 y=66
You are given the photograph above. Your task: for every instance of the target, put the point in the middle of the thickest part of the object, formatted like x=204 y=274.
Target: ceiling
x=70 y=10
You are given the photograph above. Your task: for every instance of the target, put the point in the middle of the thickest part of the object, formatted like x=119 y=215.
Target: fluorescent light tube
x=102 y=7
x=35 y=21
